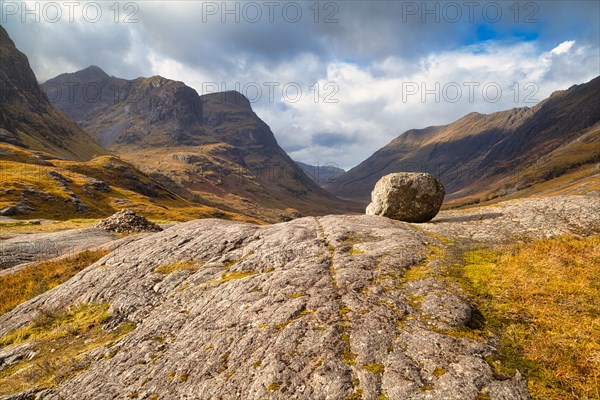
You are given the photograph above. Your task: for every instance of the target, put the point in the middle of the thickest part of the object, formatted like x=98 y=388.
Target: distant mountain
x=321 y=174
x=213 y=148
x=552 y=147
x=27 y=119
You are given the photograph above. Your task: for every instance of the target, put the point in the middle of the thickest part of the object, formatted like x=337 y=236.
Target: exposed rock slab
x=525 y=219
x=315 y=308
x=22 y=248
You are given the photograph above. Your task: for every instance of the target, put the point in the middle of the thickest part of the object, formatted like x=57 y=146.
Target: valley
x=158 y=243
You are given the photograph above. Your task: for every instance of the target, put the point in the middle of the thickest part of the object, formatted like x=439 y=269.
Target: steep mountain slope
x=321 y=174
x=50 y=168
x=211 y=148
x=486 y=156
x=27 y=118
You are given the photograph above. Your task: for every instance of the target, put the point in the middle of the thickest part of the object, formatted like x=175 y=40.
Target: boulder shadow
x=466 y=218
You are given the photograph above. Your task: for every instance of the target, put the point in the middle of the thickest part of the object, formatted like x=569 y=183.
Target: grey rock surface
x=17 y=249
x=314 y=308
x=520 y=220
x=407 y=196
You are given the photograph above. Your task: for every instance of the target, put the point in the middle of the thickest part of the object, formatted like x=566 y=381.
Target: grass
x=34 y=227
x=542 y=300
x=231 y=276
x=61 y=340
x=348 y=356
x=178 y=266
x=40 y=277
x=20 y=170
x=374 y=368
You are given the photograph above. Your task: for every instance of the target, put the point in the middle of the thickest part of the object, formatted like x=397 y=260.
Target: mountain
x=321 y=174
x=27 y=119
x=212 y=148
x=550 y=148
x=51 y=169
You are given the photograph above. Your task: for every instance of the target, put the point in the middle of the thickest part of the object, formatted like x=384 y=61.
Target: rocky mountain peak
x=5 y=39
x=92 y=71
x=26 y=115
x=230 y=97
x=158 y=81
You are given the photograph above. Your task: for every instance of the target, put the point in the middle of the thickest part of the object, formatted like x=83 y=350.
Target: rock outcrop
x=405 y=196
x=314 y=308
x=127 y=221
x=17 y=249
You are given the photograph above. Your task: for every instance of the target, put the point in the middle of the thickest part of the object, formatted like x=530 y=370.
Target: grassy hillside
x=42 y=186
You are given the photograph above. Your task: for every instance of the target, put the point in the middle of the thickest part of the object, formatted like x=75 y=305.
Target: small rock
x=9 y=211
x=98 y=185
x=127 y=221
x=406 y=196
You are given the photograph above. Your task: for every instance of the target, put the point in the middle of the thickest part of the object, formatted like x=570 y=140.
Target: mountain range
x=208 y=155
x=553 y=147
x=321 y=174
x=214 y=300
x=211 y=149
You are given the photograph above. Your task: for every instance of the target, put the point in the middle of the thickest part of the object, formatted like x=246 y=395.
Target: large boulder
x=407 y=196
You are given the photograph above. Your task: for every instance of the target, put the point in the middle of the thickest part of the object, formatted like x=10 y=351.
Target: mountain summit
x=212 y=148
x=27 y=118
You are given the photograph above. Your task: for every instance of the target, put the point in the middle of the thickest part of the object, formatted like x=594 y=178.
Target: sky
x=335 y=80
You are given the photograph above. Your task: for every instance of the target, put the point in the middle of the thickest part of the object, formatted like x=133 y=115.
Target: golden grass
x=230 y=276
x=37 y=278
x=542 y=299
x=178 y=266
x=46 y=227
x=374 y=368
x=19 y=171
x=61 y=340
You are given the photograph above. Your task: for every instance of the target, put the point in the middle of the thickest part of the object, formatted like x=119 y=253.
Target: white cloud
x=366 y=106
x=563 y=47
x=370 y=61
x=372 y=109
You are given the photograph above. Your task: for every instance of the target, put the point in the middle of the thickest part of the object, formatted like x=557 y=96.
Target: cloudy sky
x=335 y=80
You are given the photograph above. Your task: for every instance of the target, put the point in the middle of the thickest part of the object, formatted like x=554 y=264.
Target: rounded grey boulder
x=407 y=196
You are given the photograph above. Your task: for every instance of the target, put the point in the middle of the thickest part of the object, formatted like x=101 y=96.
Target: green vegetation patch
x=231 y=276
x=40 y=277
x=60 y=341
x=374 y=368
x=178 y=266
